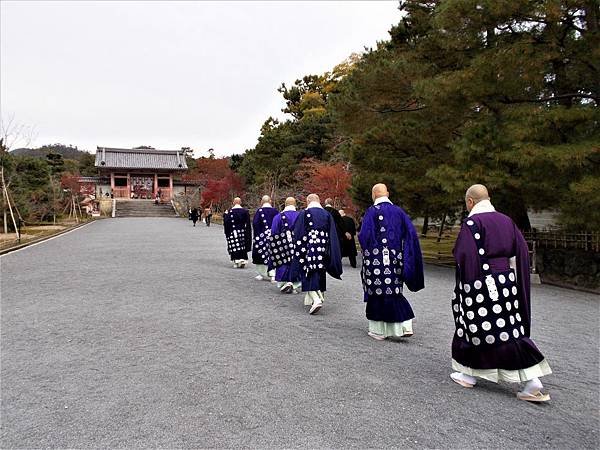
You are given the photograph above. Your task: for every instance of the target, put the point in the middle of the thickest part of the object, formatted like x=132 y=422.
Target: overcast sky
x=170 y=74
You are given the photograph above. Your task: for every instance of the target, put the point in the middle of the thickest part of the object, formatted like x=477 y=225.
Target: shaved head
x=237 y=201
x=290 y=201
x=329 y=201
x=265 y=199
x=313 y=198
x=475 y=194
x=379 y=190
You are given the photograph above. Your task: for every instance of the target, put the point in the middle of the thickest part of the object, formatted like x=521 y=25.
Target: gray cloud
x=170 y=74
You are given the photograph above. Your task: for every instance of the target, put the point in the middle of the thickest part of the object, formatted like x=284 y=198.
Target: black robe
x=337 y=219
x=348 y=245
x=238 y=232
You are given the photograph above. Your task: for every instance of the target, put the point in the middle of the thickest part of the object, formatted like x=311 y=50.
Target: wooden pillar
x=112 y=183
x=128 y=186
x=171 y=185
x=155 y=185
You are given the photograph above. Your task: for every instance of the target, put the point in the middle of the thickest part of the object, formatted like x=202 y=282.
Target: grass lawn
x=438 y=252
x=32 y=232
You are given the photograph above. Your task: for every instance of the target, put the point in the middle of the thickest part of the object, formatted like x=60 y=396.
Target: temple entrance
x=142 y=186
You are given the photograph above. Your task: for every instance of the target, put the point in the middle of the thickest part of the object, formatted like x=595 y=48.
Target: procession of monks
x=491 y=301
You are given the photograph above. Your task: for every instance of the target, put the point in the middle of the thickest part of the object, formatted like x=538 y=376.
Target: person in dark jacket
x=348 y=242
x=194 y=216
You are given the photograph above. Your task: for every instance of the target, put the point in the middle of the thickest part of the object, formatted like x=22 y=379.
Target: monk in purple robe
x=391 y=259
x=282 y=247
x=238 y=232
x=317 y=252
x=261 y=224
x=491 y=304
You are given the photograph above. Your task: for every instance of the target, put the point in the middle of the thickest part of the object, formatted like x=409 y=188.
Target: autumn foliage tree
x=327 y=179
x=220 y=183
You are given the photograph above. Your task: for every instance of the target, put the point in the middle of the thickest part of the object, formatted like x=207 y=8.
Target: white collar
x=382 y=200
x=483 y=206
x=289 y=208
x=314 y=205
x=327 y=204
x=236 y=206
x=266 y=205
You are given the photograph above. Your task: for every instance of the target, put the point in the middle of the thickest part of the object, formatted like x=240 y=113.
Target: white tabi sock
x=464 y=377
x=533 y=385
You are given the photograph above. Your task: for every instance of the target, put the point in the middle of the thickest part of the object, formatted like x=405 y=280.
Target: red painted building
x=139 y=173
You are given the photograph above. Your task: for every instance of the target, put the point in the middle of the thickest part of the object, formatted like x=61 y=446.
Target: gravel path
x=138 y=333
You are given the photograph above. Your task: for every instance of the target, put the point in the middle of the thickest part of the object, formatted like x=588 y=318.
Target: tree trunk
x=5 y=221
x=425 y=225
x=439 y=238
x=592 y=15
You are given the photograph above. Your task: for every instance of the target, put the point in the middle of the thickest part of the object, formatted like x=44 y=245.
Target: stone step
x=143 y=208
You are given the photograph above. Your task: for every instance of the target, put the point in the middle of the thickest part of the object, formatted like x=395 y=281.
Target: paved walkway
x=137 y=333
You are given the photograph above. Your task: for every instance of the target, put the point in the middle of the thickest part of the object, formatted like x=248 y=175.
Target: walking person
x=194 y=215
x=317 y=252
x=261 y=225
x=348 y=241
x=491 y=304
x=208 y=215
x=391 y=259
x=282 y=247
x=238 y=233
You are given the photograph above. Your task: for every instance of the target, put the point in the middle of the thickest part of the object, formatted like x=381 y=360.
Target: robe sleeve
x=351 y=226
x=226 y=225
x=522 y=272
x=335 y=254
x=275 y=229
x=248 y=233
x=276 y=225
x=413 y=259
x=256 y=222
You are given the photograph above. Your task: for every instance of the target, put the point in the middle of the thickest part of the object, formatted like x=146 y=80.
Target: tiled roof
x=124 y=158
x=93 y=180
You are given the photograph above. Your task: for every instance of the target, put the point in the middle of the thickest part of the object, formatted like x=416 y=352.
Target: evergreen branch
x=409 y=107
x=507 y=100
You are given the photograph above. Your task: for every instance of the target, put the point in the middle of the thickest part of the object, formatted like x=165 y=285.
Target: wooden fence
x=557 y=239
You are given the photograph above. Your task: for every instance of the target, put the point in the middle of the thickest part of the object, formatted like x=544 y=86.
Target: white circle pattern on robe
x=487 y=322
